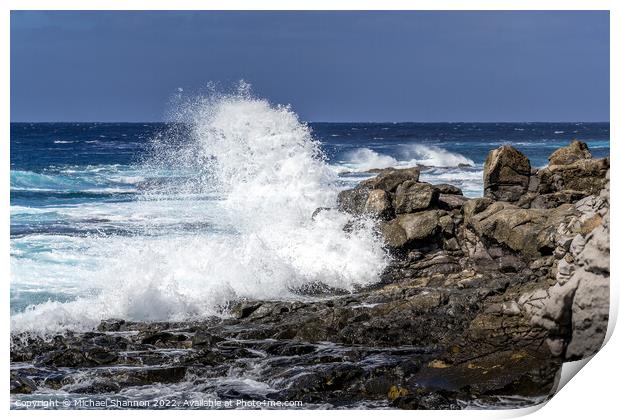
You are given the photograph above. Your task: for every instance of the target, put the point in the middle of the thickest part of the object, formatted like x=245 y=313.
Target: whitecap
x=270 y=176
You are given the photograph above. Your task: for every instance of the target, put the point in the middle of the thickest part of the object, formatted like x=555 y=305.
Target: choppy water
x=157 y=221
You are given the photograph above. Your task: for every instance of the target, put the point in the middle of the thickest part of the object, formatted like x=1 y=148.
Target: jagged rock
x=394 y=236
x=353 y=201
x=548 y=201
x=480 y=297
x=96 y=387
x=164 y=338
x=411 y=196
x=204 y=339
x=475 y=206
x=421 y=225
x=451 y=201
x=389 y=179
x=378 y=204
x=111 y=325
x=506 y=174
x=528 y=231
x=448 y=189
x=575 y=151
x=575 y=309
x=21 y=385
x=142 y=377
x=586 y=176
x=590 y=306
x=423 y=399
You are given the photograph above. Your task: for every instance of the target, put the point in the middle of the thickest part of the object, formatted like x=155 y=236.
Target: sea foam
x=408 y=155
x=269 y=176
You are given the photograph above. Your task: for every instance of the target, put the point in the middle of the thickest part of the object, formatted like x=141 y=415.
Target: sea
x=173 y=221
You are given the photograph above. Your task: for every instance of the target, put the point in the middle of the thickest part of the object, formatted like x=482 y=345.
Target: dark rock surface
x=484 y=297
x=506 y=174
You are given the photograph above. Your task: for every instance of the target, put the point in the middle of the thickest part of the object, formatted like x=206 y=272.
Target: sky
x=329 y=66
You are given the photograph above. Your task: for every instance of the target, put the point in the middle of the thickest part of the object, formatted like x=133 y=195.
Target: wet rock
x=353 y=201
x=575 y=151
x=318 y=211
x=451 y=201
x=100 y=356
x=552 y=200
x=448 y=189
x=506 y=174
x=289 y=348
x=419 y=226
x=512 y=372
x=244 y=309
x=204 y=339
x=422 y=399
x=413 y=196
x=394 y=236
x=165 y=339
x=96 y=387
x=328 y=378
x=149 y=376
x=70 y=357
x=378 y=204
x=110 y=325
x=389 y=179
x=21 y=385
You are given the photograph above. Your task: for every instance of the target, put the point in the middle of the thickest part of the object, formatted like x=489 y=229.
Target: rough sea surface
x=100 y=205
x=172 y=222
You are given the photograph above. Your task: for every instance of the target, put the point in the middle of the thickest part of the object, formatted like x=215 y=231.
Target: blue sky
x=330 y=66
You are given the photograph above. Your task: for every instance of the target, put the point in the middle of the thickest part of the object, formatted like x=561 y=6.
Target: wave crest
x=365 y=159
x=269 y=175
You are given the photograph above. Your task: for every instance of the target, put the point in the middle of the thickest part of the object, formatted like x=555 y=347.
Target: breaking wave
x=365 y=159
x=267 y=175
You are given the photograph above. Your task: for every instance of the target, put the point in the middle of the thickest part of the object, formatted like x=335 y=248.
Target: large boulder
x=575 y=151
x=575 y=309
x=506 y=174
x=590 y=306
x=585 y=175
x=378 y=204
x=413 y=196
x=451 y=201
x=353 y=201
x=394 y=236
x=421 y=225
x=374 y=196
x=389 y=179
x=411 y=229
x=530 y=232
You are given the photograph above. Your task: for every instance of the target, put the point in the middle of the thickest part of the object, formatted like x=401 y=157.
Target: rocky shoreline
x=484 y=298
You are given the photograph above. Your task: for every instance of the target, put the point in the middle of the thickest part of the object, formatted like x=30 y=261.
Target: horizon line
x=328 y=122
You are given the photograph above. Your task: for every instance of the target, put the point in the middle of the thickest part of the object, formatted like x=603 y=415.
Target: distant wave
x=93 y=180
x=365 y=159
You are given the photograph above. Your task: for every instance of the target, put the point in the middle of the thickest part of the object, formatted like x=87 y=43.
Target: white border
x=592 y=394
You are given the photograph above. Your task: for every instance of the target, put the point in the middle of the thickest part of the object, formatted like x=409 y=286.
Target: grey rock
x=411 y=196
x=389 y=179
x=419 y=226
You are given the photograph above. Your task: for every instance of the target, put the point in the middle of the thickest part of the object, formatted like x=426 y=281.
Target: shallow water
x=259 y=378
